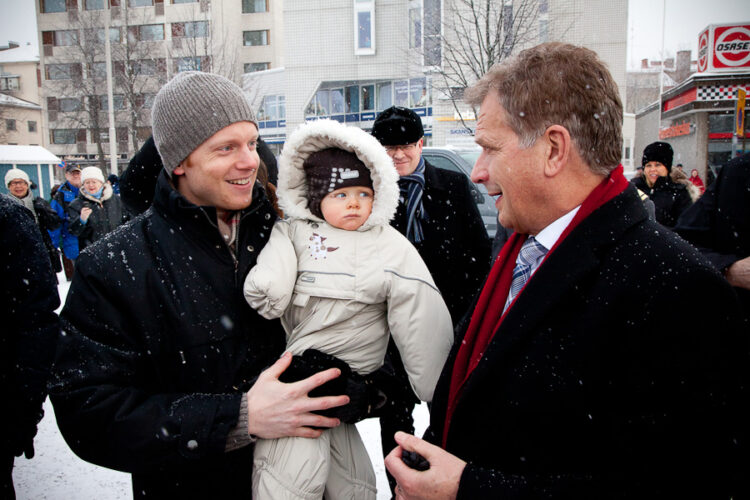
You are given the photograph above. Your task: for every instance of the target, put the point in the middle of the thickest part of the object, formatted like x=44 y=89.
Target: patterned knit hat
x=660 y=152
x=192 y=107
x=330 y=169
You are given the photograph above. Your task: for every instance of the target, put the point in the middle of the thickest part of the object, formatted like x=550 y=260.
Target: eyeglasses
x=405 y=148
x=17 y=183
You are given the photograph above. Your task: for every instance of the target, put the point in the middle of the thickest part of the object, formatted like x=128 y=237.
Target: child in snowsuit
x=342 y=280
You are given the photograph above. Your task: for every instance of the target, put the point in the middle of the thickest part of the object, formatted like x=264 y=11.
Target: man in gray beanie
x=159 y=372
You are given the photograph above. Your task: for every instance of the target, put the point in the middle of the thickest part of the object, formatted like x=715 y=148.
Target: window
x=62 y=71
x=352 y=99
x=144 y=67
x=188 y=64
x=195 y=29
x=364 y=27
x=9 y=83
x=253 y=6
x=720 y=123
x=401 y=93
x=144 y=101
x=337 y=101
x=258 y=37
x=68 y=104
x=415 y=24
x=418 y=93
x=118 y=102
x=49 y=6
x=32 y=126
x=385 y=99
x=432 y=22
x=368 y=97
x=10 y=124
x=251 y=67
x=93 y=4
x=65 y=38
x=64 y=136
x=273 y=108
x=150 y=32
x=140 y=3
x=98 y=70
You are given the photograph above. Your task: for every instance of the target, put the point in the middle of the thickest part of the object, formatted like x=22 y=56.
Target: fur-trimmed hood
x=322 y=134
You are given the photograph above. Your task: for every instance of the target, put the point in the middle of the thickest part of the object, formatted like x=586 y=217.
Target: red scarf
x=488 y=313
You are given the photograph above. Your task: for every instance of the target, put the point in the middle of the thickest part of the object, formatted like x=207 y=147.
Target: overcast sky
x=685 y=19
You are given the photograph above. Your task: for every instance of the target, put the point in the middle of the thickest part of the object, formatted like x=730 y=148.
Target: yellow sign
x=739 y=113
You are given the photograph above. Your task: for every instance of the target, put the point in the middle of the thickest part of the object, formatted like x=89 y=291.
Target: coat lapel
x=565 y=269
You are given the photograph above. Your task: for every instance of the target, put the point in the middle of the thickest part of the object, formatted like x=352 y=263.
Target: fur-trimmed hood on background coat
x=323 y=134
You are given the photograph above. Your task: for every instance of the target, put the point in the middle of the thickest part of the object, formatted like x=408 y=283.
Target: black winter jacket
x=107 y=214
x=670 y=199
x=594 y=387
x=30 y=326
x=719 y=222
x=159 y=346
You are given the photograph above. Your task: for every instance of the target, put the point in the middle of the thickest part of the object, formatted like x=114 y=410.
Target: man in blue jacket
x=65 y=194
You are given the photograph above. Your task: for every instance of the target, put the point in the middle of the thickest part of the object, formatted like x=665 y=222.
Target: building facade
x=698 y=116
x=20 y=110
x=91 y=49
x=350 y=59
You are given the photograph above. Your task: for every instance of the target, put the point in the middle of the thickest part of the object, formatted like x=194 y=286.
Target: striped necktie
x=531 y=254
x=411 y=187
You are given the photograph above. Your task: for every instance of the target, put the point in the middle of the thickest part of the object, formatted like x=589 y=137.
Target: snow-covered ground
x=56 y=473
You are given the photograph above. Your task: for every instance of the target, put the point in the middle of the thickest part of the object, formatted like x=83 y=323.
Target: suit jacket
x=595 y=385
x=456 y=247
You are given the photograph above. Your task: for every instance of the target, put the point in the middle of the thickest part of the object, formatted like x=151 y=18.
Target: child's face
x=347 y=208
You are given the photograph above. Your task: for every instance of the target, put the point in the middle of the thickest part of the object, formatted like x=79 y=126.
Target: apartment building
x=91 y=49
x=20 y=110
x=349 y=59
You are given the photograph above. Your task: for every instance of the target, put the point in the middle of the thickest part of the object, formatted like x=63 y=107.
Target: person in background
x=574 y=376
x=680 y=177
x=718 y=224
x=695 y=178
x=19 y=186
x=437 y=213
x=96 y=211
x=28 y=300
x=62 y=237
x=114 y=181
x=670 y=198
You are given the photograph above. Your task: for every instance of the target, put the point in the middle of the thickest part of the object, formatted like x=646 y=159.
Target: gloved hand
x=394 y=385
x=364 y=396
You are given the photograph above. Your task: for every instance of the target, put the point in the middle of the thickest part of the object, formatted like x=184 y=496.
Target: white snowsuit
x=342 y=292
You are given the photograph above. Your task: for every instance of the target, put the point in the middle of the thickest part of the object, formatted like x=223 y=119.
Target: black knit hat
x=658 y=151
x=330 y=169
x=397 y=126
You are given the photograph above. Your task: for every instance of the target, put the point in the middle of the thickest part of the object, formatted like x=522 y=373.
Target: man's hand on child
x=276 y=409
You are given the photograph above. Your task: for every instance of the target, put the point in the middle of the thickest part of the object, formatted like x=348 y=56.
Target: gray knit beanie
x=192 y=107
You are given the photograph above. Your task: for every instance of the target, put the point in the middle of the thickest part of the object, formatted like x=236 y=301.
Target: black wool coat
x=107 y=214
x=456 y=248
x=719 y=222
x=28 y=299
x=596 y=385
x=670 y=198
x=159 y=347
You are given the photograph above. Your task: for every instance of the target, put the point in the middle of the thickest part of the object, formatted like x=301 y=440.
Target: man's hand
x=276 y=409
x=738 y=274
x=85 y=213
x=439 y=482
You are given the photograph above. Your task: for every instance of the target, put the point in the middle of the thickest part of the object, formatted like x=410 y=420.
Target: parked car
x=462 y=160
